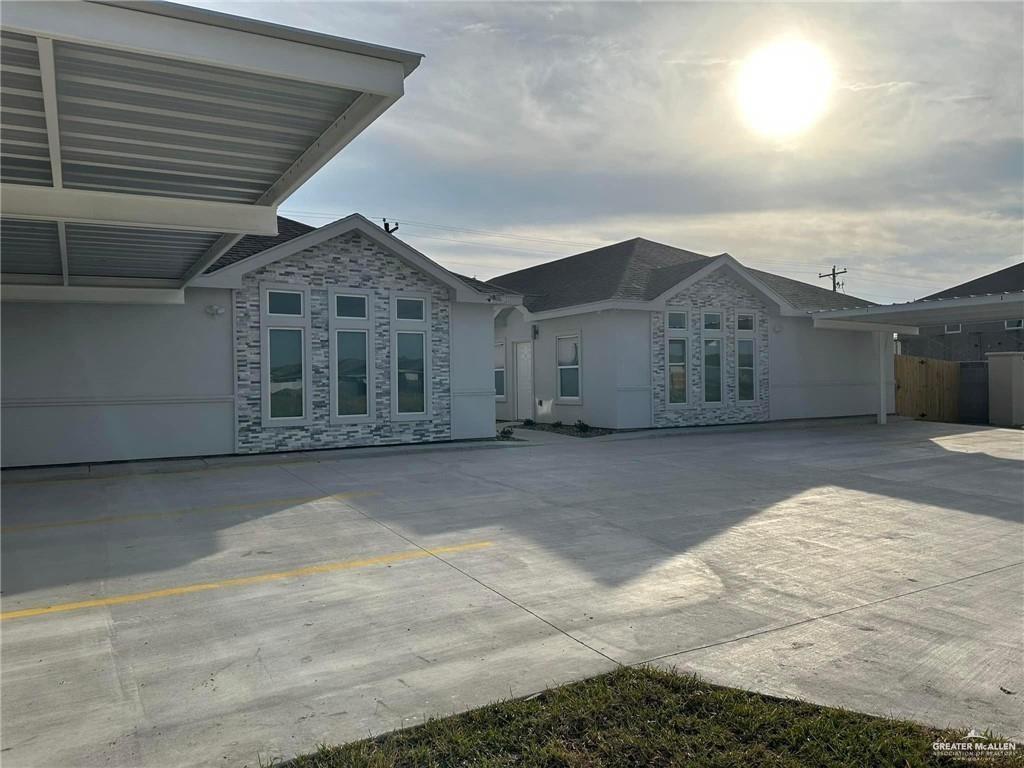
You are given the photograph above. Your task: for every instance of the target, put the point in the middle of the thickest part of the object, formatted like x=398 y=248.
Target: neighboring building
x=966 y=341
x=333 y=337
x=640 y=334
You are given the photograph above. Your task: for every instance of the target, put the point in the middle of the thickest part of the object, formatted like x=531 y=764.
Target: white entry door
x=524 y=380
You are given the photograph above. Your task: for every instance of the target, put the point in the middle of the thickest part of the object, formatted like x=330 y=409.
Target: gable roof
x=296 y=241
x=643 y=270
x=1008 y=280
x=250 y=245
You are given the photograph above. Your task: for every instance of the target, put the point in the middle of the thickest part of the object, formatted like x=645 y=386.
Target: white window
x=677 y=371
x=284 y=368
x=410 y=354
x=409 y=309
x=952 y=328
x=677 y=321
x=745 y=381
x=745 y=321
x=712 y=370
x=676 y=349
x=284 y=303
x=1013 y=325
x=352 y=359
x=287 y=382
x=499 y=370
x=411 y=365
x=712 y=321
x=567 y=353
x=350 y=306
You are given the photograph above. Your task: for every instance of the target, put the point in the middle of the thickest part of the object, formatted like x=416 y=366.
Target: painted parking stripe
x=108 y=519
x=310 y=570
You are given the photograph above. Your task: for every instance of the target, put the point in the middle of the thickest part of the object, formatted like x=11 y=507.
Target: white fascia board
x=853 y=325
x=158 y=35
x=80 y=294
x=353 y=121
x=20 y=201
x=594 y=306
x=231 y=275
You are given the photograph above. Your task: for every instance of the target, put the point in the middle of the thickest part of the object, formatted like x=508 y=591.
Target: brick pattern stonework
x=719 y=292
x=346 y=261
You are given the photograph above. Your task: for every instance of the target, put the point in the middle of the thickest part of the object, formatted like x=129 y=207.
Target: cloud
x=590 y=122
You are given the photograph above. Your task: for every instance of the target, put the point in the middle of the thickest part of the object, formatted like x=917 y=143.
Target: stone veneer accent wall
x=723 y=293
x=346 y=261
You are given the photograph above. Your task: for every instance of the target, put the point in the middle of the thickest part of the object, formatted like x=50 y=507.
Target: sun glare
x=784 y=88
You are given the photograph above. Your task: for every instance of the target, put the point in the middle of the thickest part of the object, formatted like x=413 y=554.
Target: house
x=966 y=340
x=332 y=337
x=153 y=302
x=641 y=334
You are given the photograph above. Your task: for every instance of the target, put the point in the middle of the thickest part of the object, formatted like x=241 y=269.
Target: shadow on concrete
x=611 y=510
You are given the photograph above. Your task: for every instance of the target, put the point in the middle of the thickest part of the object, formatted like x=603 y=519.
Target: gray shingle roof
x=632 y=270
x=641 y=270
x=1006 y=280
x=481 y=285
x=806 y=297
x=250 y=245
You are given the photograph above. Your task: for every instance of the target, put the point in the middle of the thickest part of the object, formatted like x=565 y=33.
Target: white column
x=882 y=404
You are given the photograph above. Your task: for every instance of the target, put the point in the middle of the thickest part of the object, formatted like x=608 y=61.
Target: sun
x=784 y=88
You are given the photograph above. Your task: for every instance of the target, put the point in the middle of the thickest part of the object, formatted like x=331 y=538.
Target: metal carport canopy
x=884 y=320
x=140 y=141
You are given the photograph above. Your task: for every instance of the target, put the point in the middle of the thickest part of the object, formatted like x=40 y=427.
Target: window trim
x=269 y=322
x=1019 y=325
x=748 y=336
x=946 y=332
x=685 y=335
x=713 y=334
x=668 y=319
x=503 y=397
x=366 y=325
x=412 y=326
x=422 y=298
x=351 y=293
x=559 y=398
x=265 y=301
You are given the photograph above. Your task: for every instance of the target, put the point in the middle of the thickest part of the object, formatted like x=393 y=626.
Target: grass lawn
x=647 y=717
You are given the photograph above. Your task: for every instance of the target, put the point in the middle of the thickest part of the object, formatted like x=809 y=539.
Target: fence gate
x=927 y=389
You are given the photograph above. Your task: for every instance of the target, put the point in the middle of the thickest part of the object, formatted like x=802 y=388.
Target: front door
x=524 y=380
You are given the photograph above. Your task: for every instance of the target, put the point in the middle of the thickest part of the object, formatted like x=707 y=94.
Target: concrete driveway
x=244 y=612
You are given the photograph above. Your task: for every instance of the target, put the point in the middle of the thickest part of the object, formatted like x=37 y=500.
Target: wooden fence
x=927 y=389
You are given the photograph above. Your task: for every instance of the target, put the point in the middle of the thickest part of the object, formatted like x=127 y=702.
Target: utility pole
x=833 y=274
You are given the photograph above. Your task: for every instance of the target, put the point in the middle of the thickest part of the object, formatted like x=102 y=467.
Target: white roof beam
x=157 y=35
x=221 y=246
x=62 y=240
x=47 y=73
x=854 y=325
x=91 y=294
x=146 y=211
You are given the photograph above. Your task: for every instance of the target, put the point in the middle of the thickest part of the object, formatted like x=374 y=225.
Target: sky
x=533 y=131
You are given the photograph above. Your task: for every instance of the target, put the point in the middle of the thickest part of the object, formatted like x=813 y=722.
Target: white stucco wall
x=615 y=377
x=473 y=407
x=817 y=373
x=102 y=382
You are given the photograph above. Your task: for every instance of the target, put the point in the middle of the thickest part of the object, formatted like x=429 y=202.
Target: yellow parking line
x=309 y=570
x=19 y=527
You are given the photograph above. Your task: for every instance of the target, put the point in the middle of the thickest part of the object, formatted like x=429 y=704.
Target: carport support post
x=882 y=404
